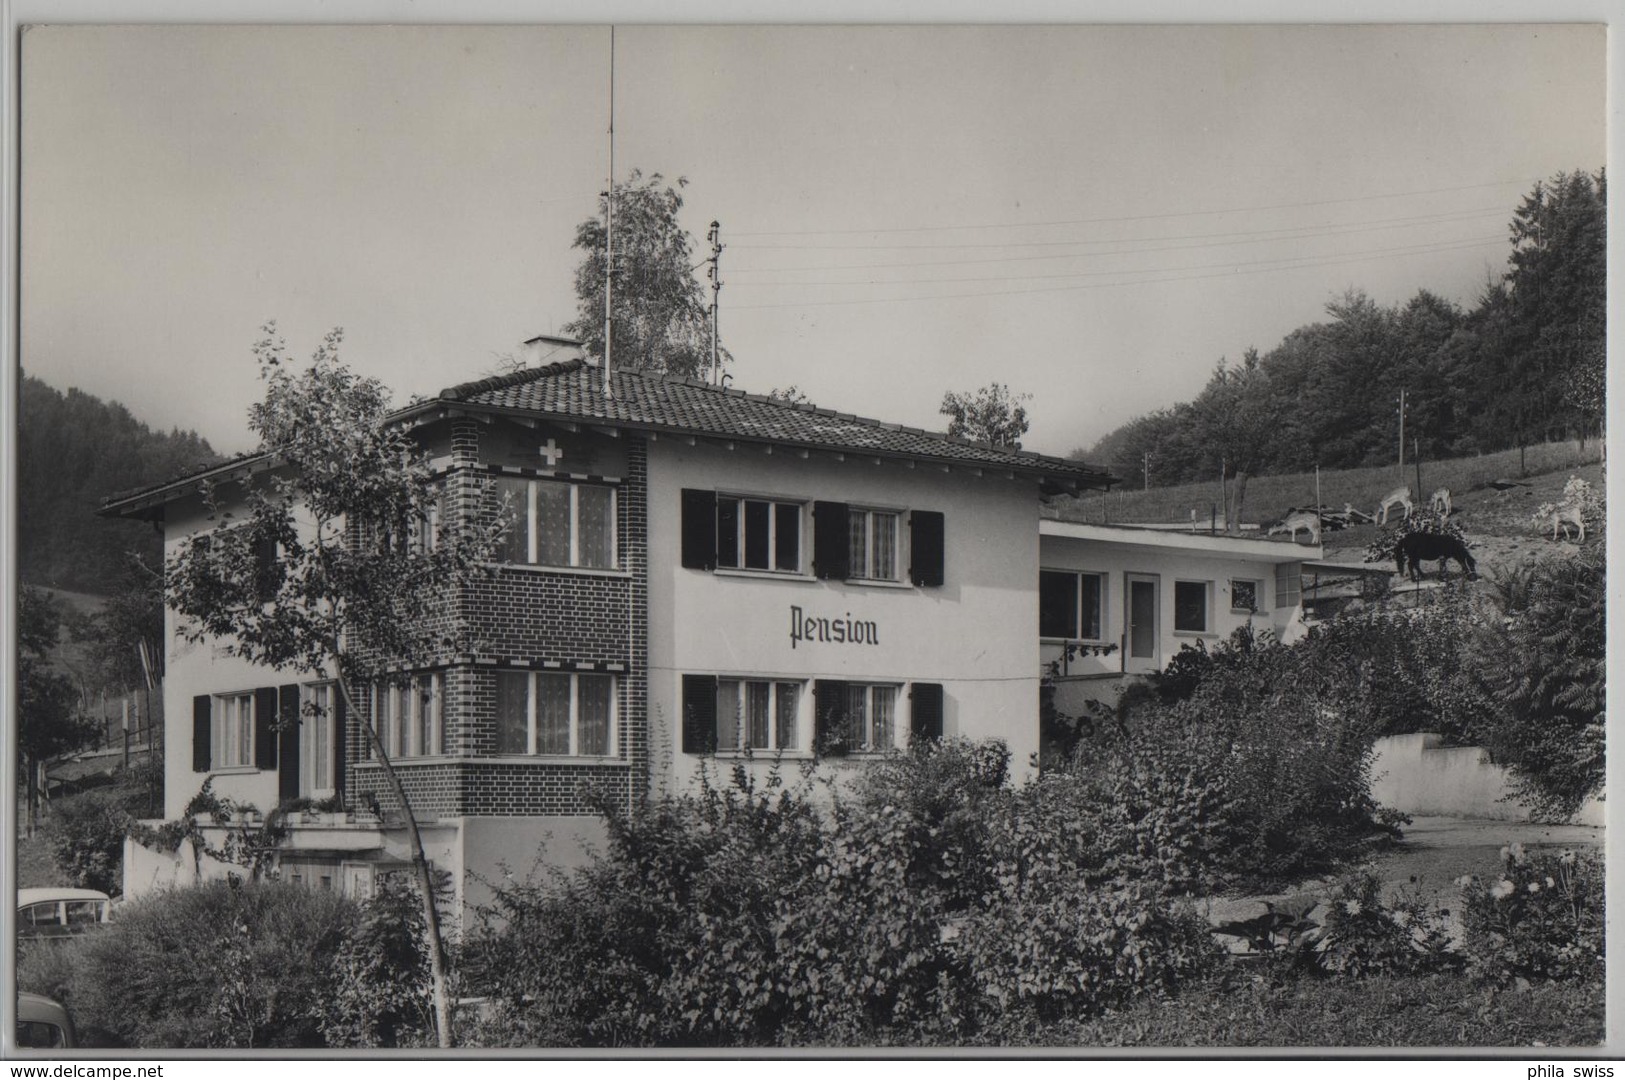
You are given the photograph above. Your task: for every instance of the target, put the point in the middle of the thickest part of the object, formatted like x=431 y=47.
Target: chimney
x=547 y=349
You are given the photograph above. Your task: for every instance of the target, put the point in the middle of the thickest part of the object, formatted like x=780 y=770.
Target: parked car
x=42 y=1024
x=57 y=912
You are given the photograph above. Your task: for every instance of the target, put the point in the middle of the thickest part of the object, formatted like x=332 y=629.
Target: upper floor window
x=1069 y=604
x=316 y=740
x=871 y=545
x=758 y=534
x=555 y=712
x=1191 y=606
x=557 y=523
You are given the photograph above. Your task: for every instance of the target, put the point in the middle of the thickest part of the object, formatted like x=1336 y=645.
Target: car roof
x=42 y=895
x=39 y=1007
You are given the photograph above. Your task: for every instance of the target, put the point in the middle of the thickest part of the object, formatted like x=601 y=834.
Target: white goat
x=1440 y=501
x=1566 y=515
x=1294 y=522
x=1400 y=496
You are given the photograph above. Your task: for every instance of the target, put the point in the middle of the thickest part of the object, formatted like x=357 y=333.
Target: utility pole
x=609 y=235
x=1147 y=470
x=715 y=274
x=1402 y=434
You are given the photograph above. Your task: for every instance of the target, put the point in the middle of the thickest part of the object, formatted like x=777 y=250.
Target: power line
x=1260 y=239
x=1360 y=257
x=1453 y=215
x=1449 y=245
x=1137 y=217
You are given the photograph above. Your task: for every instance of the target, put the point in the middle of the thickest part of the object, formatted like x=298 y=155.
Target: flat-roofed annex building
x=692 y=574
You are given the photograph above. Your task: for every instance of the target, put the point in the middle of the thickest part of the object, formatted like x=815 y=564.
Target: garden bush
x=223 y=964
x=379 y=991
x=86 y=833
x=923 y=899
x=1542 y=918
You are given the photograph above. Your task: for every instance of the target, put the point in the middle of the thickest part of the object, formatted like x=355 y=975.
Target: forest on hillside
x=74 y=450
x=1524 y=364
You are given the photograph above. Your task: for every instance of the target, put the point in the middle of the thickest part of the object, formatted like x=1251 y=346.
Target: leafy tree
x=125 y=637
x=347 y=596
x=661 y=320
x=1558 y=281
x=47 y=724
x=1238 y=416
x=991 y=415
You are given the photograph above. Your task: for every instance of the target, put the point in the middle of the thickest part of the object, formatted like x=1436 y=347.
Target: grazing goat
x=1415 y=548
x=1440 y=501
x=1294 y=522
x=1566 y=515
x=1400 y=496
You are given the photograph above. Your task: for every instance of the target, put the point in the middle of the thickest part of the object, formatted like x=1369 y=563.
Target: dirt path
x=1438 y=850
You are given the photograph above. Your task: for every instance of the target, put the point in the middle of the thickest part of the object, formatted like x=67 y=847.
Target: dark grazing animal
x=1415 y=548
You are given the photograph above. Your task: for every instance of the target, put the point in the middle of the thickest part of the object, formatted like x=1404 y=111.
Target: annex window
x=758 y=714
x=1288 y=585
x=1245 y=595
x=871 y=545
x=408 y=714
x=557 y=523
x=1191 y=606
x=231 y=738
x=556 y=713
x=1069 y=604
x=758 y=534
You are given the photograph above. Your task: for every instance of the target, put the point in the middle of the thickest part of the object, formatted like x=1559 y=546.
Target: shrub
x=1365 y=935
x=1543 y=664
x=380 y=991
x=87 y=834
x=218 y=965
x=1542 y=918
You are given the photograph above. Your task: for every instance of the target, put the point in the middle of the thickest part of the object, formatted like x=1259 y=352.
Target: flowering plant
x=1541 y=917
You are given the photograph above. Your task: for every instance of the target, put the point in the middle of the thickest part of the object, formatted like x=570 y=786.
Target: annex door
x=1141 y=651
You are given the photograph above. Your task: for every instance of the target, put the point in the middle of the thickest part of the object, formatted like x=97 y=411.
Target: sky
x=1093 y=215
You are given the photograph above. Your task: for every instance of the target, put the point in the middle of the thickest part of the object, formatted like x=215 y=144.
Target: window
x=758 y=715
x=420 y=534
x=556 y=713
x=872 y=545
x=1245 y=595
x=1288 y=585
x=1069 y=604
x=407 y=714
x=758 y=534
x=316 y=741
x=1190 y=606
x=557 y=523
x=871 y=717
x=231 y=735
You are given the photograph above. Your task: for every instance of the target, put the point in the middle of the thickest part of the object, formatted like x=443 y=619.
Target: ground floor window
x=1191 y=606
x=316 y=744
x=1069 y=604
x=1245 y=595
x=556 y=713
x=871 y=717
x=1288 y=584
x=408 y=714
x=758 y=714
x=231 y=735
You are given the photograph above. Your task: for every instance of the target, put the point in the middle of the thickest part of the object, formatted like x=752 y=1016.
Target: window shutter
x=699 y=714
x=925 y=547
x=699 y=529
x=265 y=727
x=831 y=540
x=287 y=781
x=925 y=714
x=202 y=718
x=829 y=722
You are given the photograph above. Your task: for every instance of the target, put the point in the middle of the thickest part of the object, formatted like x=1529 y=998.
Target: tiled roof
x=574 y=389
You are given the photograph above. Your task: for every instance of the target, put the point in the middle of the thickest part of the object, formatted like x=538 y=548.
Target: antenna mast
x=609 y=235
x=715 y=274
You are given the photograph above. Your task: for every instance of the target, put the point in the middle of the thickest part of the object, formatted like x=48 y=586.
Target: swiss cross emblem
x=551 y=453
